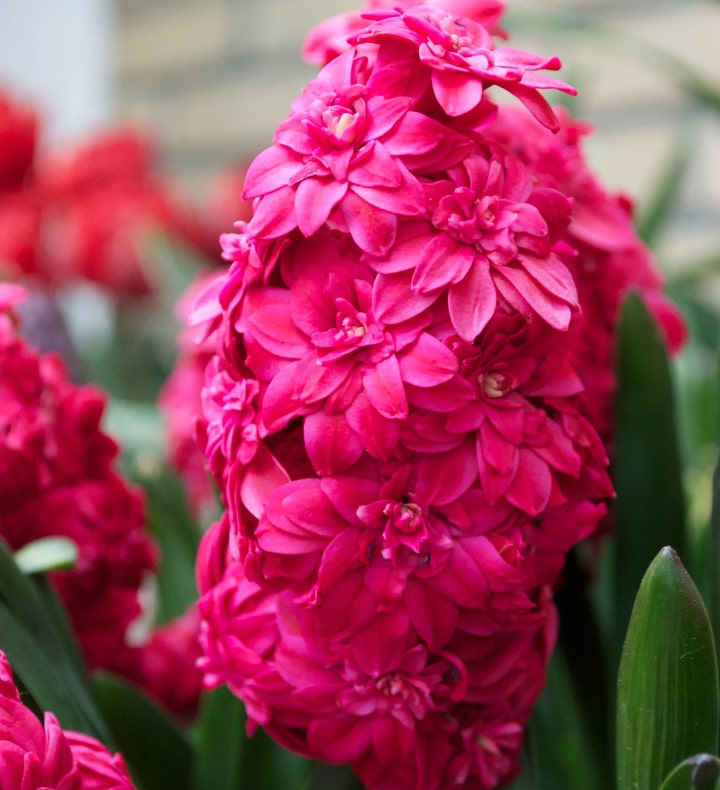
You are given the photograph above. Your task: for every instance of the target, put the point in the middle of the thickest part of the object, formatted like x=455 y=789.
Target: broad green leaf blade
x=668 y=680
x=159 y=756
x=219 y=740
x=28 y=628
x=178 y=535
x=341 y=777
x=700 y=772
x=714 y=556
x=650 y=510
x=41 y=676
x=582 y=646
x=266 y=764
x=47 y=554
x=561 y=750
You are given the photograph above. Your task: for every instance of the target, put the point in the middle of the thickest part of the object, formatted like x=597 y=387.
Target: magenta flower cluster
x=397 y=412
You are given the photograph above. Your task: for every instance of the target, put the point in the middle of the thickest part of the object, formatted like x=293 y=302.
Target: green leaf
x=37 y=649
x=649 y=510
x=219 y=740
x=177 y=533
x=668 y=680
x=665 y=193
x=563 y=756
x=159 y=756
x=700 y=772
x=47 y=554
x=42 y=678
x=714 y=556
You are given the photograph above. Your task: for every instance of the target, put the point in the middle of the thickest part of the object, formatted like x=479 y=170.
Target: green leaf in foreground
x=650 y=508
x=701 y=772
x=36 y=644
x=159 y=756
x=668 y=682
x=219 y=739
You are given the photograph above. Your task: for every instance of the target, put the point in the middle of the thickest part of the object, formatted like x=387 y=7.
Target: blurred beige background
x=211 y=79
x=214 y=78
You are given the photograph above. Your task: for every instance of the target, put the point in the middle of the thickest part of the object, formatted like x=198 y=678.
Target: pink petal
x=340 y=739
x=444 y=477
x=552 y=310
x=406 y=198
x=394 y=302
x=378 y=648
x=457 y=93
x=377 y=169
x=427 y=362
x=274 y=214
x=384 y=113
x=384 y=387
x=472 y=302
x=315 y=198
x=433 y=616
x=378 y=434
x=331 y=444
x=443 y=261
x=271 y=169
x=445 y=397
x=372 y=229
x=531 y=485
x=274 y=331
x=261 y=478
x=496 y=449
x=554 y=276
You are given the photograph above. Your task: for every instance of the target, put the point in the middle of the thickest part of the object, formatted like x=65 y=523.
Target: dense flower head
x=57 y=477
x=37 y=755
x=397 y=411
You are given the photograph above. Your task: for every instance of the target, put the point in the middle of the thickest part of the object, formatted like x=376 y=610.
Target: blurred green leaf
x=268 y=765
x=700 y=772
x=219 y=740
x=177 y=533
x=563 y=756
x=665 y=193
x=157 y=753
x=37 y=650
x=650 y=510
x=714 y=556
x=46 y=554
x=668 y=681
x=583 y=649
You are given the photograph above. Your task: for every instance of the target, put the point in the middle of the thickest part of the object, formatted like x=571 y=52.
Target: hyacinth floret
x=399 y=410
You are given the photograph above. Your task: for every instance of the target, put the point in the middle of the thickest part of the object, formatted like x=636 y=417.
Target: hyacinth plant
x=422 y=418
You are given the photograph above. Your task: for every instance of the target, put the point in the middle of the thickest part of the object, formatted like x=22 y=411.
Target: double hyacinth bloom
x=58 y=478
x=398 y=410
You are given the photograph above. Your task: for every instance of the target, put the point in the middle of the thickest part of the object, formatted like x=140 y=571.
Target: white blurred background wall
x=60 y=54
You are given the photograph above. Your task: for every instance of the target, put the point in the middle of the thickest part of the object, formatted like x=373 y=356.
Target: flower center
x=496 y=384
x=349 y=327
x=404 y=516
x=337 y=124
